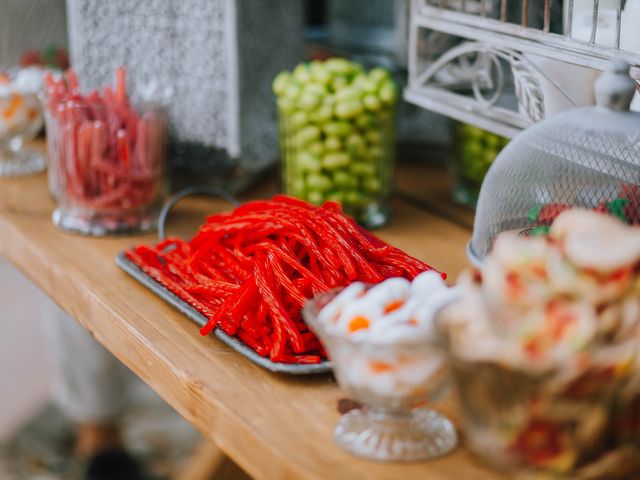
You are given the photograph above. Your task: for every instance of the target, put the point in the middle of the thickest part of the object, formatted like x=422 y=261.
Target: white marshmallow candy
x=331 y=311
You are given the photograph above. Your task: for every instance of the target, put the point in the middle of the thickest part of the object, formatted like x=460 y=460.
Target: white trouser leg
x=91 y=382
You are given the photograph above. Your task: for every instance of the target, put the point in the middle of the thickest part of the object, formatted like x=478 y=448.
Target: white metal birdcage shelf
x=466 y=59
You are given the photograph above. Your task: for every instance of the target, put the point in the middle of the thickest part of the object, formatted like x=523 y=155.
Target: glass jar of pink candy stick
x=106 y=157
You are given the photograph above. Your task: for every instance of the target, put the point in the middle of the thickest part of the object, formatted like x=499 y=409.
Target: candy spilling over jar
x=337 y=136
x=20 y=120
x=383 y=349
x=106 y=158
x=544 y=349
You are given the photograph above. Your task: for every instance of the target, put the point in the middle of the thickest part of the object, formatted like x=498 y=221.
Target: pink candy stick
x=121 y=86
x=140 y=149
x=72 y=81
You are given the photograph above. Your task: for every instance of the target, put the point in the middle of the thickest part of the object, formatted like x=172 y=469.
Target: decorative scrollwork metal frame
x=466 y=61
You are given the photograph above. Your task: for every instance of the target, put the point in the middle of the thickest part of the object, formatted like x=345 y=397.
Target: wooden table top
x=273 y=426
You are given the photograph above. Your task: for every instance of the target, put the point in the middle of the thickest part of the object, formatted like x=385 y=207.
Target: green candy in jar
x=333 y=161
x=337 y=135
x=476 y=150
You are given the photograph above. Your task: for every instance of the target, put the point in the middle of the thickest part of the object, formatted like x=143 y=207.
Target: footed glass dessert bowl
x=394 y=376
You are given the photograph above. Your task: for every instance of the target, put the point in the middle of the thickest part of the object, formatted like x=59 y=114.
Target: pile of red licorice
x=250 y=271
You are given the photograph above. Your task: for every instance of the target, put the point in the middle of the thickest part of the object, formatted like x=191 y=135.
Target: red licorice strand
x=121 y=86
x=255 y=207
x=248 y=298
x=278 y=342
x=236 y=244
x=84 y=157
x=214 y=272
x=262 y=313
x=147 y=255
x=179 y=271
x=288 y=229
x=112 y=198
x=211 y=264
x=212 y=304
x=234 y=225
x=227 y=327
x=390 y=270
x=314 y=267
x=308 y=337
x=330 y=243
x=303 y=284
x=313 y=345
x=412 y=266
x=307 y=241
x=333 y=278
x=239 y=271
x=287 y=200
x=239 y=253
x=278 y=314
x=72 y=81
x=177 y=243
x=391 y=253
x=355 y=235
x=216 y=319
x=364 y=238
x=233 y=308
x=300 y=359
x=285 y=281
x=254 y=225
x=250 y=324
x=256 y=344
x=200 y=250
x=293 y=262
x=289 y=247
x=218 y=289
x=266 y=341
x=201 y=277
x=168 y=283
x=330 y=236
x=123 y=149
x=217 y=218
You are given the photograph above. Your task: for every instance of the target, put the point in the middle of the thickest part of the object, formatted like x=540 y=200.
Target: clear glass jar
x=474 y=152
x=107 y=175
x=337 y=136
x=20 y=120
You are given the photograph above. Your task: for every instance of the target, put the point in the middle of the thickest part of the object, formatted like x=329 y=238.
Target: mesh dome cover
x=579 y=158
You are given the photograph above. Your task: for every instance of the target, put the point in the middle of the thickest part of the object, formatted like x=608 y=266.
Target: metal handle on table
x=186 y=192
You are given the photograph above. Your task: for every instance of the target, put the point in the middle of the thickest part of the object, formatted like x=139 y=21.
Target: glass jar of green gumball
x=337 y=136
x=475 y=150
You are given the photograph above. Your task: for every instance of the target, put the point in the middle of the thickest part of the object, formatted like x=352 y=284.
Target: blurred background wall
x=30 y=25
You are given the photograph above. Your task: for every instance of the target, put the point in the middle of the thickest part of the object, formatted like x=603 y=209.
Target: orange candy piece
x=14 y=105
x=393 y=306
x=358 y=323
x=380 y=367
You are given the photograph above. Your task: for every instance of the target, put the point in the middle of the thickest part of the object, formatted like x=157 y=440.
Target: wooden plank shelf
x=273 y=426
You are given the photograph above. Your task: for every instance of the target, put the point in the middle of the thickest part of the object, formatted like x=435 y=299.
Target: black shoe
x=113 y=465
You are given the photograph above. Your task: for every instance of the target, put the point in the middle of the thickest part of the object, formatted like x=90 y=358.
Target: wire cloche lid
x=587 y=157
